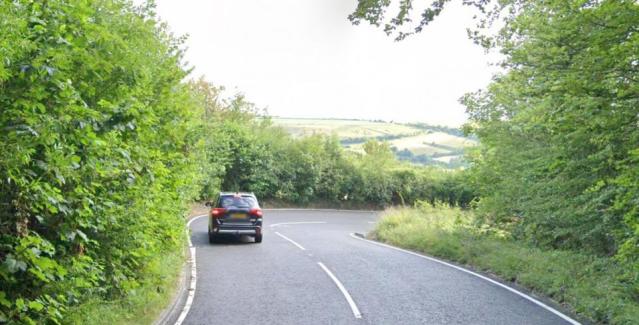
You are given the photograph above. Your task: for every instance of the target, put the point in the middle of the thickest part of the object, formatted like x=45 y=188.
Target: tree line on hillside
x=421 y=159
x=430 y=160
x=384 y=137
x=251 y=154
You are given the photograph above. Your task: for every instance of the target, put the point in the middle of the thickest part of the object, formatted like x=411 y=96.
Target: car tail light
x=218 y=212
x=256 y=212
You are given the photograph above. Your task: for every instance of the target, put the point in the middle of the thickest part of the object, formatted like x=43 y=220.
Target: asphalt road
x=286 y=280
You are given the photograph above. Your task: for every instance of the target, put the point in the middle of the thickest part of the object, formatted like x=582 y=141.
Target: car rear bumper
x=237 y=230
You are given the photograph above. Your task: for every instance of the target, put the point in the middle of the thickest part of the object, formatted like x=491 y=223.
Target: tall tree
x=559 y=125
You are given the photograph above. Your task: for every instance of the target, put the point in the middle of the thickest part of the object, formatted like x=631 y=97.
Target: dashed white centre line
x=341 y=288
x=296 y=223
x=291 y=241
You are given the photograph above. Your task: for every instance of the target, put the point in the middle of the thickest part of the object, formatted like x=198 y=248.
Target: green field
x=345 y=129
x=422 y=144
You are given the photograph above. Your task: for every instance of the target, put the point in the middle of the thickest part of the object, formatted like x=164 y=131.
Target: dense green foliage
x=559 y=156
x=104 y=144
x=594 y=287
x=139 y=306
x=559 y=128
x=558 y=164
x=250 y=154
x=99 y=148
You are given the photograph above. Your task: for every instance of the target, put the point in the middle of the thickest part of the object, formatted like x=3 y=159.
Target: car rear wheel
x=258 y=238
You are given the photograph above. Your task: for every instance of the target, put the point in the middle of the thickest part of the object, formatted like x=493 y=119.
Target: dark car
x=235 y=214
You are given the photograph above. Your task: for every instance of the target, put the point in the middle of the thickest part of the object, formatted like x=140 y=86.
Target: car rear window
x=242 y=202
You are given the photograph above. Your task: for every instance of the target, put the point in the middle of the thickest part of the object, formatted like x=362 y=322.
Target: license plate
x=238 y=216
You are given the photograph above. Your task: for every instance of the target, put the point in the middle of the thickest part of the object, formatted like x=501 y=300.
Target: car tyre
x=258 y=238
x=212 y=238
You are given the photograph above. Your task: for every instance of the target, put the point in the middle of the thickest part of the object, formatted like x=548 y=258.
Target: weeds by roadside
x=597 y=288
x=141 y=306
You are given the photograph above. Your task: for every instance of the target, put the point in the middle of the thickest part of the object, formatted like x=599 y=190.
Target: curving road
x=310 y=270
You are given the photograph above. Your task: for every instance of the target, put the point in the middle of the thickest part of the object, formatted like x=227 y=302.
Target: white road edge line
x=291 y=241
x=521 y=294
x=341 y=288
x=191 y=295
x=296 y=223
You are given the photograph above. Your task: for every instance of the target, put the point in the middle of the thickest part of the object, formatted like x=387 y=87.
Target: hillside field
x=419 y=143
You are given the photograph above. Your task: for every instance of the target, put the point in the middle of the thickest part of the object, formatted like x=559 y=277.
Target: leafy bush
x=99 y=152
x=559 y=128
x=247 y=153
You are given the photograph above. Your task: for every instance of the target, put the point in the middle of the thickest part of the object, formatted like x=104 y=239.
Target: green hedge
x=247 y=153
x=99 y=146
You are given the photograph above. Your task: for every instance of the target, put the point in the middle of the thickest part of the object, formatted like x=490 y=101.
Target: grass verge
x=141 y=306
x=596 y=288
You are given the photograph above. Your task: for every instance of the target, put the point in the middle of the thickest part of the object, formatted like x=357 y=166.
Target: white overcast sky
x=303 y=58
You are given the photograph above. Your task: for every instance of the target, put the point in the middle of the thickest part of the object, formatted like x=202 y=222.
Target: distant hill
x=416 y=142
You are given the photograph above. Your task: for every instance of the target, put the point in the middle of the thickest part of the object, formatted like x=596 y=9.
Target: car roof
x=237 y=193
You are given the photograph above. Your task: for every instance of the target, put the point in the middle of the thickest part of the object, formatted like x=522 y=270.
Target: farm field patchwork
x=418 y=143
x=345 y=129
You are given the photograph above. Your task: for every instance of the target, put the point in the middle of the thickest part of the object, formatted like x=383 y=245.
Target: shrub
x=99 y=141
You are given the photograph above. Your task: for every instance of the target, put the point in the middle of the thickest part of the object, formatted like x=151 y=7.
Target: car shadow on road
x=201 y=238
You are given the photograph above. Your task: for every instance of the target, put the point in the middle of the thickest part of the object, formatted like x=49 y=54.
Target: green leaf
x=35 y=305
x=20 y=304
x=3 y=299
x=14 y=265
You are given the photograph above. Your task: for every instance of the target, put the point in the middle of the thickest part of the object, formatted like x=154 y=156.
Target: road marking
x=327 y=210
x=191 y=295
x=341 y=288
x=290 y=240
x=296 y=223
x=432 y=259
